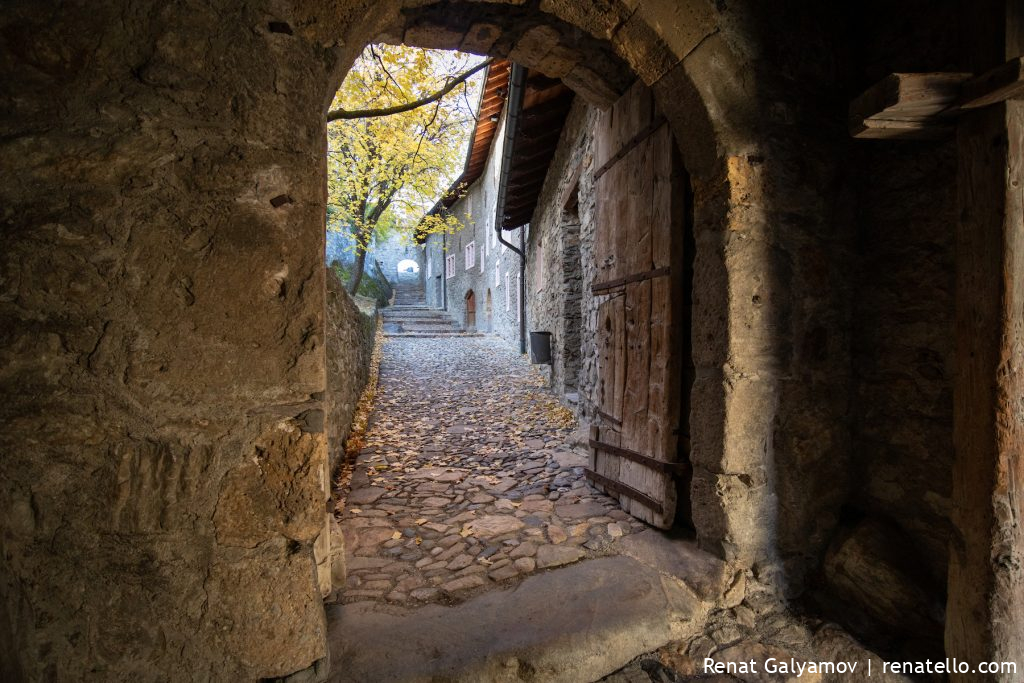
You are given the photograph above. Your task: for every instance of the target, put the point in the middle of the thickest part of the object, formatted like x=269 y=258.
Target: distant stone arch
x=407 y=266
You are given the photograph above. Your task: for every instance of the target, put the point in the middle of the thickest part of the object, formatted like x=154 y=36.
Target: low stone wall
x=351 y=330
x=351 y=326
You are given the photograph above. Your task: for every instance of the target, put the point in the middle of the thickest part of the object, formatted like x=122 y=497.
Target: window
x=429 y=263
x=497 y=274
x=449 y=267
x=508 y=295
x=470 y=255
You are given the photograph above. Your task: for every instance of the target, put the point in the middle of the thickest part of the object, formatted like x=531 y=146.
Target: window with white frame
x=470 y=255
x=508 y=295
x=449 y=266
x=497 y=274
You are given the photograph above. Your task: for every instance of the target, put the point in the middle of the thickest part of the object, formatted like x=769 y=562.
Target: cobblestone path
x=467 y=480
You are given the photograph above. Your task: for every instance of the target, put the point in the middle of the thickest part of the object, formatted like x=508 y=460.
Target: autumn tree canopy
x=396 y=141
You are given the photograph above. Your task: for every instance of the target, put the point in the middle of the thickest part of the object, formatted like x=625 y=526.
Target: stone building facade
x=470 y=273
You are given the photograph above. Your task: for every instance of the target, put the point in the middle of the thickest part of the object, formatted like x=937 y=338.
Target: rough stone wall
x=554 y=263
x=902 y=357
x=163 y=339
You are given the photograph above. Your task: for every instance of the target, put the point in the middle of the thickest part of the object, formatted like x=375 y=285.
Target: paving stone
x=365 y=496
x=428 y=593
x=526 y=549
x=557 y=555
x=464 y=583
x=556 y=534
x=525 y=564
x=504 y=573
x=460 y=562
x=585 y=509
x=494 y=525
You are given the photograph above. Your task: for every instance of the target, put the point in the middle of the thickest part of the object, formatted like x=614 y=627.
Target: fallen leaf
x=421 y=520
x=395 y=536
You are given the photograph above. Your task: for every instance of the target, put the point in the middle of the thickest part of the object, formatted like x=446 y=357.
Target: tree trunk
x=357 y=273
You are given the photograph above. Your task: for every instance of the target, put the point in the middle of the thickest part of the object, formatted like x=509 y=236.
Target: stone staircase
x=410 y=316
x=410 y=294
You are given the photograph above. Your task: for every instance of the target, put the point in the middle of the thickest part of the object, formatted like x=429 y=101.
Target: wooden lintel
x=1005 y=82
x=570 y=195
x=906 y=105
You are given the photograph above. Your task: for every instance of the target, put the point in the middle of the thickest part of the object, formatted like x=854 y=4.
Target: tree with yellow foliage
x=396 y=139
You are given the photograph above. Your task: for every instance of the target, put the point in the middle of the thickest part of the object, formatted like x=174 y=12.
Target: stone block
x=480 y=38
x=598 y=19
x=591 y=86
x=278 y=491
x=641 y=46
x=433 y=36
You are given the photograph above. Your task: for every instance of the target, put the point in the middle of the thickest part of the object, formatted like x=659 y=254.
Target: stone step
x=574 y=624
x=415 y=316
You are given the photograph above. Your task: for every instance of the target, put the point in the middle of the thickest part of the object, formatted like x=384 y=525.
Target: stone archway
x=200 y=464
x=470 y=312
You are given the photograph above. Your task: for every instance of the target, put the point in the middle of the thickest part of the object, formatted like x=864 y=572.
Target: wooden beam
x=906 y=106
x=1002 y=83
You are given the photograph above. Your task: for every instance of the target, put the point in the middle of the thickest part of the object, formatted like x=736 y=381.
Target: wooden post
x=985 y=608
x=985 y=613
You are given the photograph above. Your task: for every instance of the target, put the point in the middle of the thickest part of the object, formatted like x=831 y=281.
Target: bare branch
x=345 y=114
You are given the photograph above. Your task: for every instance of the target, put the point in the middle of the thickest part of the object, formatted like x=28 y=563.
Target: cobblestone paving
x=467 y=480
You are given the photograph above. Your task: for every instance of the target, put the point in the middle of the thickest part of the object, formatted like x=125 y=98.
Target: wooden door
x=635 y=445
x=470 y=311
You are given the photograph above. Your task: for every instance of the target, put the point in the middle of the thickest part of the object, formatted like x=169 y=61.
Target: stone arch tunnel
x=855 y=329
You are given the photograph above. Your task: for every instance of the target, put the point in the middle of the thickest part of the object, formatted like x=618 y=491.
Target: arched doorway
x=488 y=313
x=470 y=317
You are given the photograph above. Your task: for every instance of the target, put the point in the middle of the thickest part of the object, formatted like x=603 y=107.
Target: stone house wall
x=495 y=271
x=556 y=296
